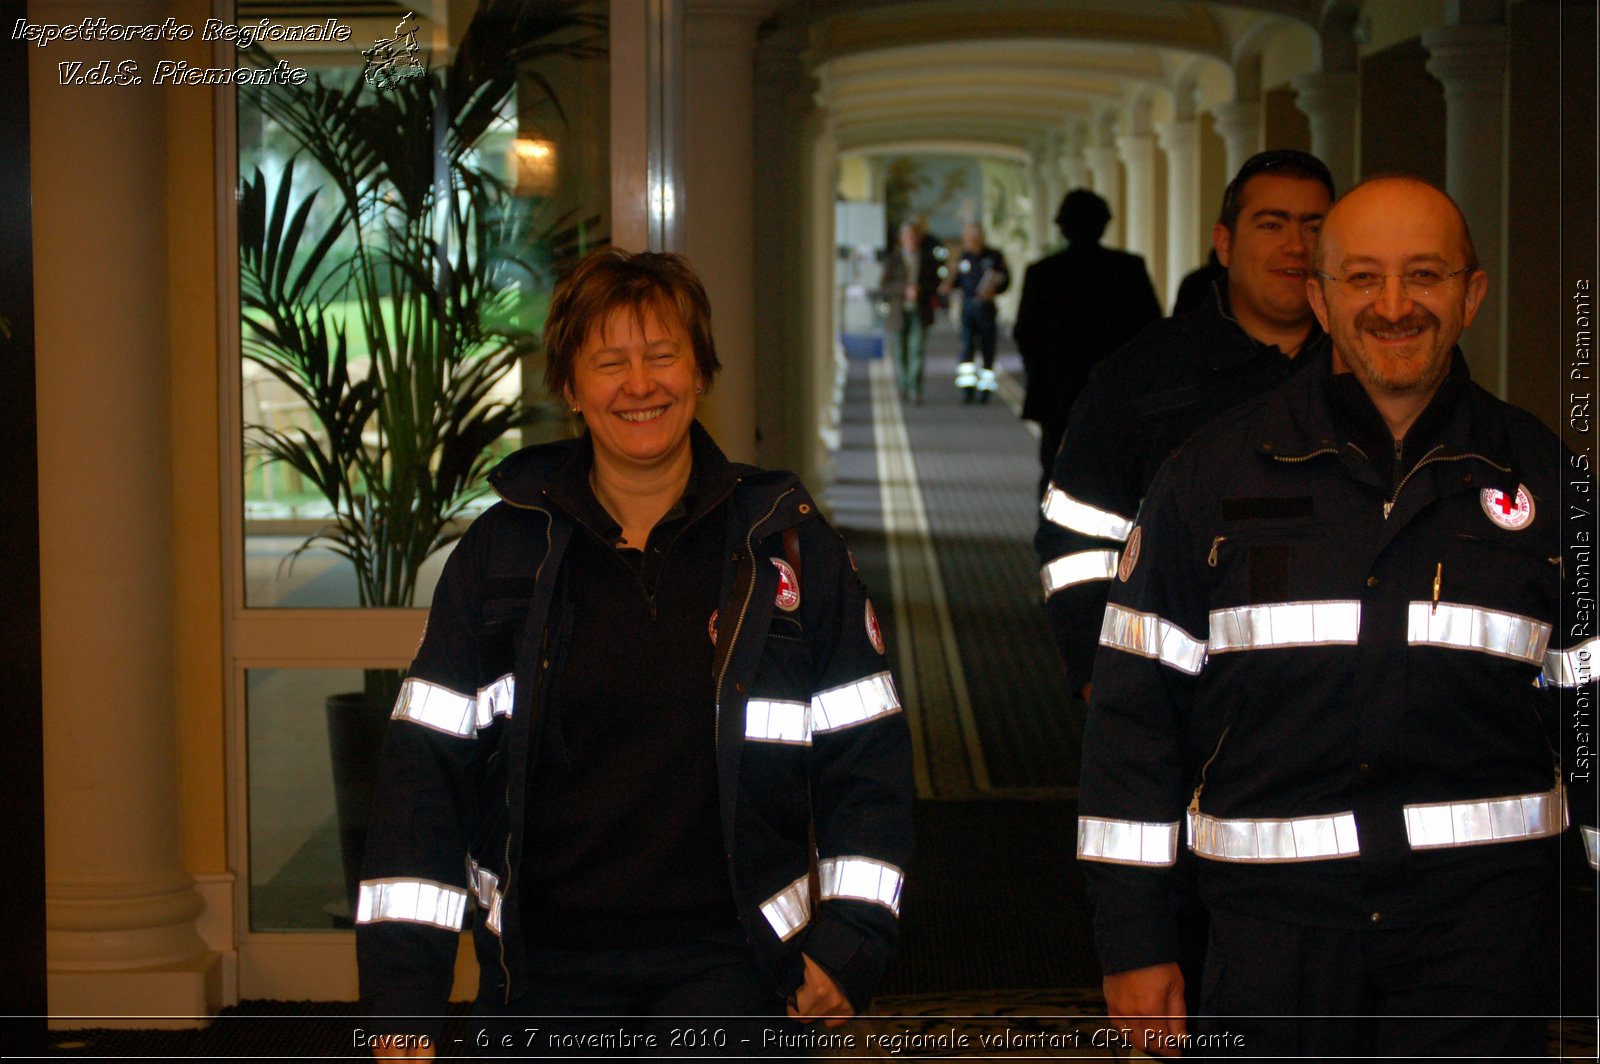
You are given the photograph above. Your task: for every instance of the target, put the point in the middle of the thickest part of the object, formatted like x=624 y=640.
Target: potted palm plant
x=385 y=270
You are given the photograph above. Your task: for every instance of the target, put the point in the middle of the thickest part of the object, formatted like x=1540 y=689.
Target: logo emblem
x=1511 y=512
x=788 y=598
x=1130 y=555
x=711 y=627
x=873 y=633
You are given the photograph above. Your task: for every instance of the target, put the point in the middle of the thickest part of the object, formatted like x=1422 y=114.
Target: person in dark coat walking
x=1078 y=306
x=910 y=290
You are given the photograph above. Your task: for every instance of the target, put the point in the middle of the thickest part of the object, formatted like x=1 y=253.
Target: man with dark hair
x=1348 y=600
x=1078 y=306
x=1145 y=399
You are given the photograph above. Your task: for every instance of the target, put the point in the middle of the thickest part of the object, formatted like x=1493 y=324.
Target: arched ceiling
x=1009 y=73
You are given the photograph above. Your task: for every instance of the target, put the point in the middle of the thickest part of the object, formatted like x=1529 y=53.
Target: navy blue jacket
x=1323 y=638
x=1140 y=403
x=808 y=722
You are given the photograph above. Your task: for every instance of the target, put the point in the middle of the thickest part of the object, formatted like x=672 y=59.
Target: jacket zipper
x=749 y=593
x=1429 y=459
x=505 y=889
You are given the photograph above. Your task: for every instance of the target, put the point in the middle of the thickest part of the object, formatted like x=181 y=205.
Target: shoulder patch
x=873 y=632
x=788 y=598
x=711 y=627
x=1511 y=512
x=1130 y=554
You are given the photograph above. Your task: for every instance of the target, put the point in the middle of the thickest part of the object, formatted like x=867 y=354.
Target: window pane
x=297 y=878
x=403 y=213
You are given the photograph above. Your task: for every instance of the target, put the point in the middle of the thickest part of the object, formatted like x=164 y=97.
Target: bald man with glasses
x=1348 y=605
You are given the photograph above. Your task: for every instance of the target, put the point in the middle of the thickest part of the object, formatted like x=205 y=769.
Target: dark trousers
x=978 y=330
x=704 y=998
x=1472 y=984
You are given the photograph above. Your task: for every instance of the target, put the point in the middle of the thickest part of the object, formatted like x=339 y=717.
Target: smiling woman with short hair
x=650 y=729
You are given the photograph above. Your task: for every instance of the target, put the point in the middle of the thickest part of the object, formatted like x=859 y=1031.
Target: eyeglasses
x=1417 y=283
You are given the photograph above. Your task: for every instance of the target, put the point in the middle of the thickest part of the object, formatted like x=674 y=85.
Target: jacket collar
x=1316 y=410
x=544 y=474
x=1237 y=346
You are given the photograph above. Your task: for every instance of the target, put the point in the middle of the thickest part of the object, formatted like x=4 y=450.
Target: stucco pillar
x=1107 y=175
x=1238 y=123
x=1329 y=101
x=1180 y=140
x=1040 y=188
x=1470 y=62
x=1138 y=154
x=719 y=209
x=1075 y=173
x=120 y=907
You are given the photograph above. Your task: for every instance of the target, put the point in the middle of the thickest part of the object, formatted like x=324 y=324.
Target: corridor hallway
x=938 y=505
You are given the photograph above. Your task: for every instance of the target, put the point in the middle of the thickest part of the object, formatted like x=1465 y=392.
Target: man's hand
x=819 y=997
x=1150 y=1001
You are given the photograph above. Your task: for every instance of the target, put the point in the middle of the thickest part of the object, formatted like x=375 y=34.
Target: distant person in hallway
x=1144 y=400
x=1194 y=291
x=650 y=727
x=1351 y=601
x=911 y=290
x=981 y=274
x=1077 y=306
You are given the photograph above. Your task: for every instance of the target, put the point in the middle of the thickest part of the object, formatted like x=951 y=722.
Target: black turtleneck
x=624 y=843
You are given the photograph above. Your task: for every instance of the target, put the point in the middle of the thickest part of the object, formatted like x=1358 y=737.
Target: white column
x=1238 y=123
x=1329 y=101
x=1138 y=154
x=1075 y=173
x=1107 y=177
x=1470 y=62
x=120 y=907
x=1040 y=189
x=719 y=214
x=1180 y=140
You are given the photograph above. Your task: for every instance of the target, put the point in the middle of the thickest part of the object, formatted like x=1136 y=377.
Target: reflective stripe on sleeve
x=1437 y=825
x=788 y=910
x=1505 y=635
x=771 y=721
x=1062 y=509
x=854 y=703
x=861 y=879
x=1127 y=841
x=1150 y=636
x=1078 y=568
x=1591 y=845
x=1572 y=667
x=1306 y=838
x=486 y=887
x=417 y=901
x=434 y=706
x=1285 y=624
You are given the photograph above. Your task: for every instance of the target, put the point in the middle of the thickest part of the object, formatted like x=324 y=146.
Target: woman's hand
x=819 y=997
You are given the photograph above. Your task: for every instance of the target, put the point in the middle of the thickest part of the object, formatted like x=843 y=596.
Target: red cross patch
x=1512 y=512
x=1130 y=555
x=788 y=598
x=873 y=632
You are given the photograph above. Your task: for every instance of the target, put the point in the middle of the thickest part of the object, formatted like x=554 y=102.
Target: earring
x=700 y=389
x=575 y=410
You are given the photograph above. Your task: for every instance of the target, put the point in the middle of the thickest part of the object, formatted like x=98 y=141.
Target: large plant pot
x=355 y=743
